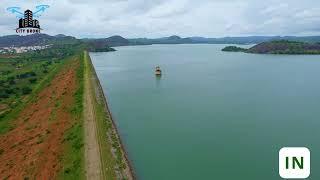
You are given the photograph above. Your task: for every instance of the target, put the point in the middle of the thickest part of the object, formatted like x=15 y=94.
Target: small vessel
x=158 y=71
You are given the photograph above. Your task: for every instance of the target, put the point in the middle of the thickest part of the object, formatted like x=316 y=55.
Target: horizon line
x=206 y=37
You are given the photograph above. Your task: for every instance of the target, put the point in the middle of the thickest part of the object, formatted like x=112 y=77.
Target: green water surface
x=212 y=114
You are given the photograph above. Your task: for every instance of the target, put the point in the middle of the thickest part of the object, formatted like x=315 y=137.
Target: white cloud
x=145 y=18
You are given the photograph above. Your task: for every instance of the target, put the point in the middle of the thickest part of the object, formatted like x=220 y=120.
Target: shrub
x=6 y=72
x=12 y=82
x=3 y=95
x=2 y=82
x=33 y=80
x=26 y=75
x=9 y=91
x=10 y=78
x=26 y=90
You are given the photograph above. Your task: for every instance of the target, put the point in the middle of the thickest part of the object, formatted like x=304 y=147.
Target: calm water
x=212 y=115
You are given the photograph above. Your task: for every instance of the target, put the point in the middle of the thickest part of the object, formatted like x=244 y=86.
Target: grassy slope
x=73 y=156
x=72 y=159
x=112 y=156
x=113 y=164
x=5 y=121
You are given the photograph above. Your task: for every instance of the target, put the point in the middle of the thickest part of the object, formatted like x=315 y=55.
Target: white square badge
x=294 y=163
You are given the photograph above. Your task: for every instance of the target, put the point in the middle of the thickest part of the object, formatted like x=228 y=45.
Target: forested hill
x=279 y=47
x=224 y=40
x=59 y=41
x=114 y=41
x=35 y=39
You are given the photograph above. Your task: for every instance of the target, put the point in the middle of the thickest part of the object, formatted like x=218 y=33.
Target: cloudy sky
x=157 y=18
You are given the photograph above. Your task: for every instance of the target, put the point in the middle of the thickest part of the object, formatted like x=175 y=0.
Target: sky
x=159 y=18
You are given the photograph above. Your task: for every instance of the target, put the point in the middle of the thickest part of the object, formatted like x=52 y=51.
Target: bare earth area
x=32 y=150
x=92 y=151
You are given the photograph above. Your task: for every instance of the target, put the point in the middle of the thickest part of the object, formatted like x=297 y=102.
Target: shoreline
x=129 y=171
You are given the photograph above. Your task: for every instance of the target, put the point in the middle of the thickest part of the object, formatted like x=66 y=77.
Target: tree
x=3 y=95
x=33 y=80
x=26 y=90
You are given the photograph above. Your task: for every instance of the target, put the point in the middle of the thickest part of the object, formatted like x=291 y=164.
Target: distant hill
x=279 y=47
x=165 y=40
x=286 y=47
x=114 y=41
x=35 y=39
x=60 y=36
x=225 y=40
x=98 y=45
x=59 y=40
x=117 y=41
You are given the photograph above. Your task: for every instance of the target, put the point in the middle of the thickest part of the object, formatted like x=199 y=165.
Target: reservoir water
x=212 y=114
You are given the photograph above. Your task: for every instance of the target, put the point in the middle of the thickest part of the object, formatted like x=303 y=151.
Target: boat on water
x=158 y=71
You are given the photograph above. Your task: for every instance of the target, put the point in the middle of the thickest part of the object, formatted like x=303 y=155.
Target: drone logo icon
x=26 y=22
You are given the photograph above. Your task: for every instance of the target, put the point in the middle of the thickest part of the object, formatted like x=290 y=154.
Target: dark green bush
x=2 y=82
x=3 y=94
x=6 y=72
x=26 y=75
x=10 y=78
x=26 y=90
x=12 y=82
x=33 y=80
x=9 y=91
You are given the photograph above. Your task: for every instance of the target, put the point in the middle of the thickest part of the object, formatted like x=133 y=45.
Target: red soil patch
x=34 y=147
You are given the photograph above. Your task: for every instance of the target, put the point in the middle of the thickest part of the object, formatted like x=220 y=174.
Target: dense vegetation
x=105 y=49
x=286 y=47
x=234 y=49
x=279 y=47
x=19 y=77
x=98 y=46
